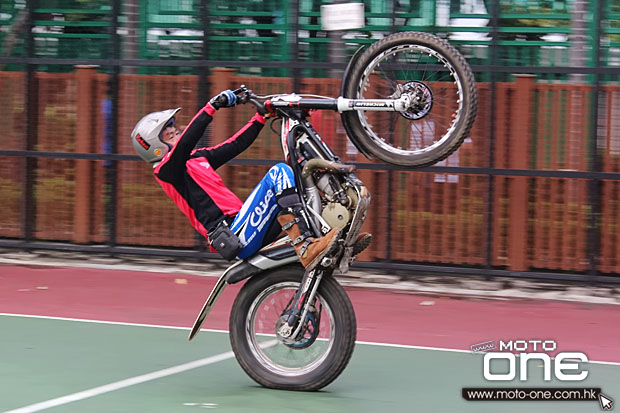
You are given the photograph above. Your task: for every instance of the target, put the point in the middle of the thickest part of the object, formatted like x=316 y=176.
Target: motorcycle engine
x=336 y=215
x=338 y=204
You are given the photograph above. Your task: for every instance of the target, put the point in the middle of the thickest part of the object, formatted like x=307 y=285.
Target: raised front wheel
x=442 y=92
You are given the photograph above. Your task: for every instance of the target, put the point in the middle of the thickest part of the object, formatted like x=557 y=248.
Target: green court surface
x=45 y=360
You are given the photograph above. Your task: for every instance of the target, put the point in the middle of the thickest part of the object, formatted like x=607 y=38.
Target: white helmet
x=145 y=136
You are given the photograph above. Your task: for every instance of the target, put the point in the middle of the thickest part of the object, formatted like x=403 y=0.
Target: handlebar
x=313 y=102
x=245 y=95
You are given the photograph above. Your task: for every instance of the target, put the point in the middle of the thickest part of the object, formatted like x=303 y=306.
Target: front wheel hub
x=308 y=334
x=421 y=98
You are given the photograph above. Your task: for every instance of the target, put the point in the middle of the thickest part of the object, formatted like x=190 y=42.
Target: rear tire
x=269 y=361
x=444 y=99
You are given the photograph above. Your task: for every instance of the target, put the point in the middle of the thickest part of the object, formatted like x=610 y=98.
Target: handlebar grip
x=242 y=88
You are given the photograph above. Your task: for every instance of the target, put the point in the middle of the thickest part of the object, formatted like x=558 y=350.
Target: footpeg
x=346 y=260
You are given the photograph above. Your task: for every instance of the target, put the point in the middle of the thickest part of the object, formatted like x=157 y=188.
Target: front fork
x=305 y=295
x=293 y=324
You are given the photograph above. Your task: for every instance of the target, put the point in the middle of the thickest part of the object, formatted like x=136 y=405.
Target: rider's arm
x=239 y=142
x=174 y=161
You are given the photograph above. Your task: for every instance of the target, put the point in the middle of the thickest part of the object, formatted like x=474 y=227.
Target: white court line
x=368 y=343
x=122 y=384
x=116 y=323
x=127 y=382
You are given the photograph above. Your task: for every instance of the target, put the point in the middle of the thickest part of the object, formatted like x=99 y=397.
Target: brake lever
x=242 y=88
x=260 y=106
x=249 y=97
x=244 y=93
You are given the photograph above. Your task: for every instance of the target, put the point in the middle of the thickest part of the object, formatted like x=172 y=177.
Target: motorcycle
x=409 y=99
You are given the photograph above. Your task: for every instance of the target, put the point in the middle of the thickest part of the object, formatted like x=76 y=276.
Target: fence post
x=221 y=80
x=111 y=167
x=294 y=42
x=85 y=76
x=595 y=185
x=222 y=127
x=32 y=113
x=519 y=146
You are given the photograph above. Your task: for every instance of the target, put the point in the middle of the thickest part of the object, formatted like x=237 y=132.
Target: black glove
x=225 y=99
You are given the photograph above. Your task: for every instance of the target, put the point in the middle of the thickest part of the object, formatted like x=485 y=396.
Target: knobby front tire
x=444 y=99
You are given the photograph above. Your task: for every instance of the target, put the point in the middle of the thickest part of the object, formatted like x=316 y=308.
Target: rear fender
x=266 y=259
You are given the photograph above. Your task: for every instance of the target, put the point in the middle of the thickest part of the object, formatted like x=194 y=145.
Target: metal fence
x=534 y=191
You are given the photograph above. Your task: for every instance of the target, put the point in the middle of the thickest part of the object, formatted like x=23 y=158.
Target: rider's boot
x=310 y=250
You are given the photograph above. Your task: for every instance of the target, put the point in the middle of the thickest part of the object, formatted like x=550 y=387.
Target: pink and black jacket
x=188 y=175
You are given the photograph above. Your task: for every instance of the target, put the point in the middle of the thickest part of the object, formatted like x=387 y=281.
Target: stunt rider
x=188 y=177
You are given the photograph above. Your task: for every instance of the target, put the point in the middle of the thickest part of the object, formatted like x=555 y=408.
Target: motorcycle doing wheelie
x=409 y=99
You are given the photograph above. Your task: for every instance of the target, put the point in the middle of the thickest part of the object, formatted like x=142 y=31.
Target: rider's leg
x=260 y=209
x=273 y=233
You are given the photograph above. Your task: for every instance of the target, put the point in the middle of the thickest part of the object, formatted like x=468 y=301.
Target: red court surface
x=402 y=318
